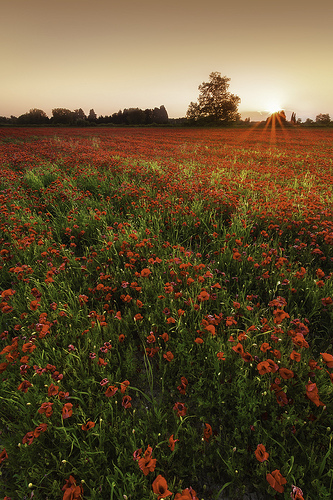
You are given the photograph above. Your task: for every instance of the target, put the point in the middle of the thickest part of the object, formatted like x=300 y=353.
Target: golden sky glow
x=108 y=55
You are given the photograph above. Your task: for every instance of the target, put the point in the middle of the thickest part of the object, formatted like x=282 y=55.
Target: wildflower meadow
x=166 y=308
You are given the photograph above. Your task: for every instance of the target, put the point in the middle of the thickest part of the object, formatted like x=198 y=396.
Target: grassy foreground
x=166 y=314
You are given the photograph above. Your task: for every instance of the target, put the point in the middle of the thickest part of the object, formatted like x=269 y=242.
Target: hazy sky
x=110 y=55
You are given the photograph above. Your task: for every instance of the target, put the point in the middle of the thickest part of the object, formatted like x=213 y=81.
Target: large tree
x=323 y=119
x=34 y=117
x=215 y=103
x=62 y=115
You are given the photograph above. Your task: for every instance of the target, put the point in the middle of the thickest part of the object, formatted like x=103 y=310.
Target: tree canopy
x=215 y=104
x=323 y=119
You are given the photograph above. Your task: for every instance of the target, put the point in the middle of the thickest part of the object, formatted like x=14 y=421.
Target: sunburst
x=273 y=107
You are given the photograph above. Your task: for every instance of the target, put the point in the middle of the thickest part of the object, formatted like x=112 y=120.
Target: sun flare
x=273 y=107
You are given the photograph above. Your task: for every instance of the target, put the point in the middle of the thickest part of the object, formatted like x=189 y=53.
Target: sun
x=273 y=107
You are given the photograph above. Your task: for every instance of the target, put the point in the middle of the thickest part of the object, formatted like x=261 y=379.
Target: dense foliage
x=215 y=103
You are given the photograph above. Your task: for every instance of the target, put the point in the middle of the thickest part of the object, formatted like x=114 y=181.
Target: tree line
x=78 y=118
x=215 y=106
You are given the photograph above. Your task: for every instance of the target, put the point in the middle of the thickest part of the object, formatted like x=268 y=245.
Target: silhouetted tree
x=148 y=116
x=160 y=115
x=33 y=117
x=134 y=116
x=92 y=117
x=215 y=103
x=323 y=119
x=4 y=119
x=293 y=118
x=193 y=111
x=117 y=118
x=79 y=114
x=79 y=118
x=62 y=115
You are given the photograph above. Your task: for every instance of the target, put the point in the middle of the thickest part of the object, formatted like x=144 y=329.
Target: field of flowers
x=166 y=308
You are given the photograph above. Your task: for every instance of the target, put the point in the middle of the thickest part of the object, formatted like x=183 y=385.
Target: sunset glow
x=273 y=108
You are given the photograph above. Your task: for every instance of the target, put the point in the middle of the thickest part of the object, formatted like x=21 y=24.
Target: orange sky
x=108 y=55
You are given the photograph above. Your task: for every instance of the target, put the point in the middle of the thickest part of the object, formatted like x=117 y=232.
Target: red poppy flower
x=147 y=464
x=261 y=453
x=328 y=359
x=220 y=356
x=230 y=321
x=285 y=373
x=3 y=367
x=160 y=487
x=34 y=304
x=314 y=365
x=182 y=387
x=71 y=491
x=145 y=272
x=124 y=385
x=151 y=338
x=312 y=393
x=181 y=409
x=126 y=402
x=111 y=391
x=276 y=480
x=28 y=347
x=299 y=340
x=296 y=493
x=4 y=456
x=280 y=315
x=168 y=356
x=172 y=442
x=102 y=362
x=8 y=292
x=63 y=395
x=198 y=340
x=295 y=356
x=83 y=299
x=28 y=438
x=67 y=410
x=238 y=348
x=187 y=494
x=41 y=428
x=46 y=408
x=236 y=255
x=265 y=347
x=211 y=329
x=327 y=301
x=88 y=425
x=137 y=453
x=207 y=432
x=203 y=295
x=24 y=386
x=5 y=308
x=247 y=357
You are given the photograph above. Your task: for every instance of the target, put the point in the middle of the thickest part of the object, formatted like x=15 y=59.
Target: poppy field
x=166 y=309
